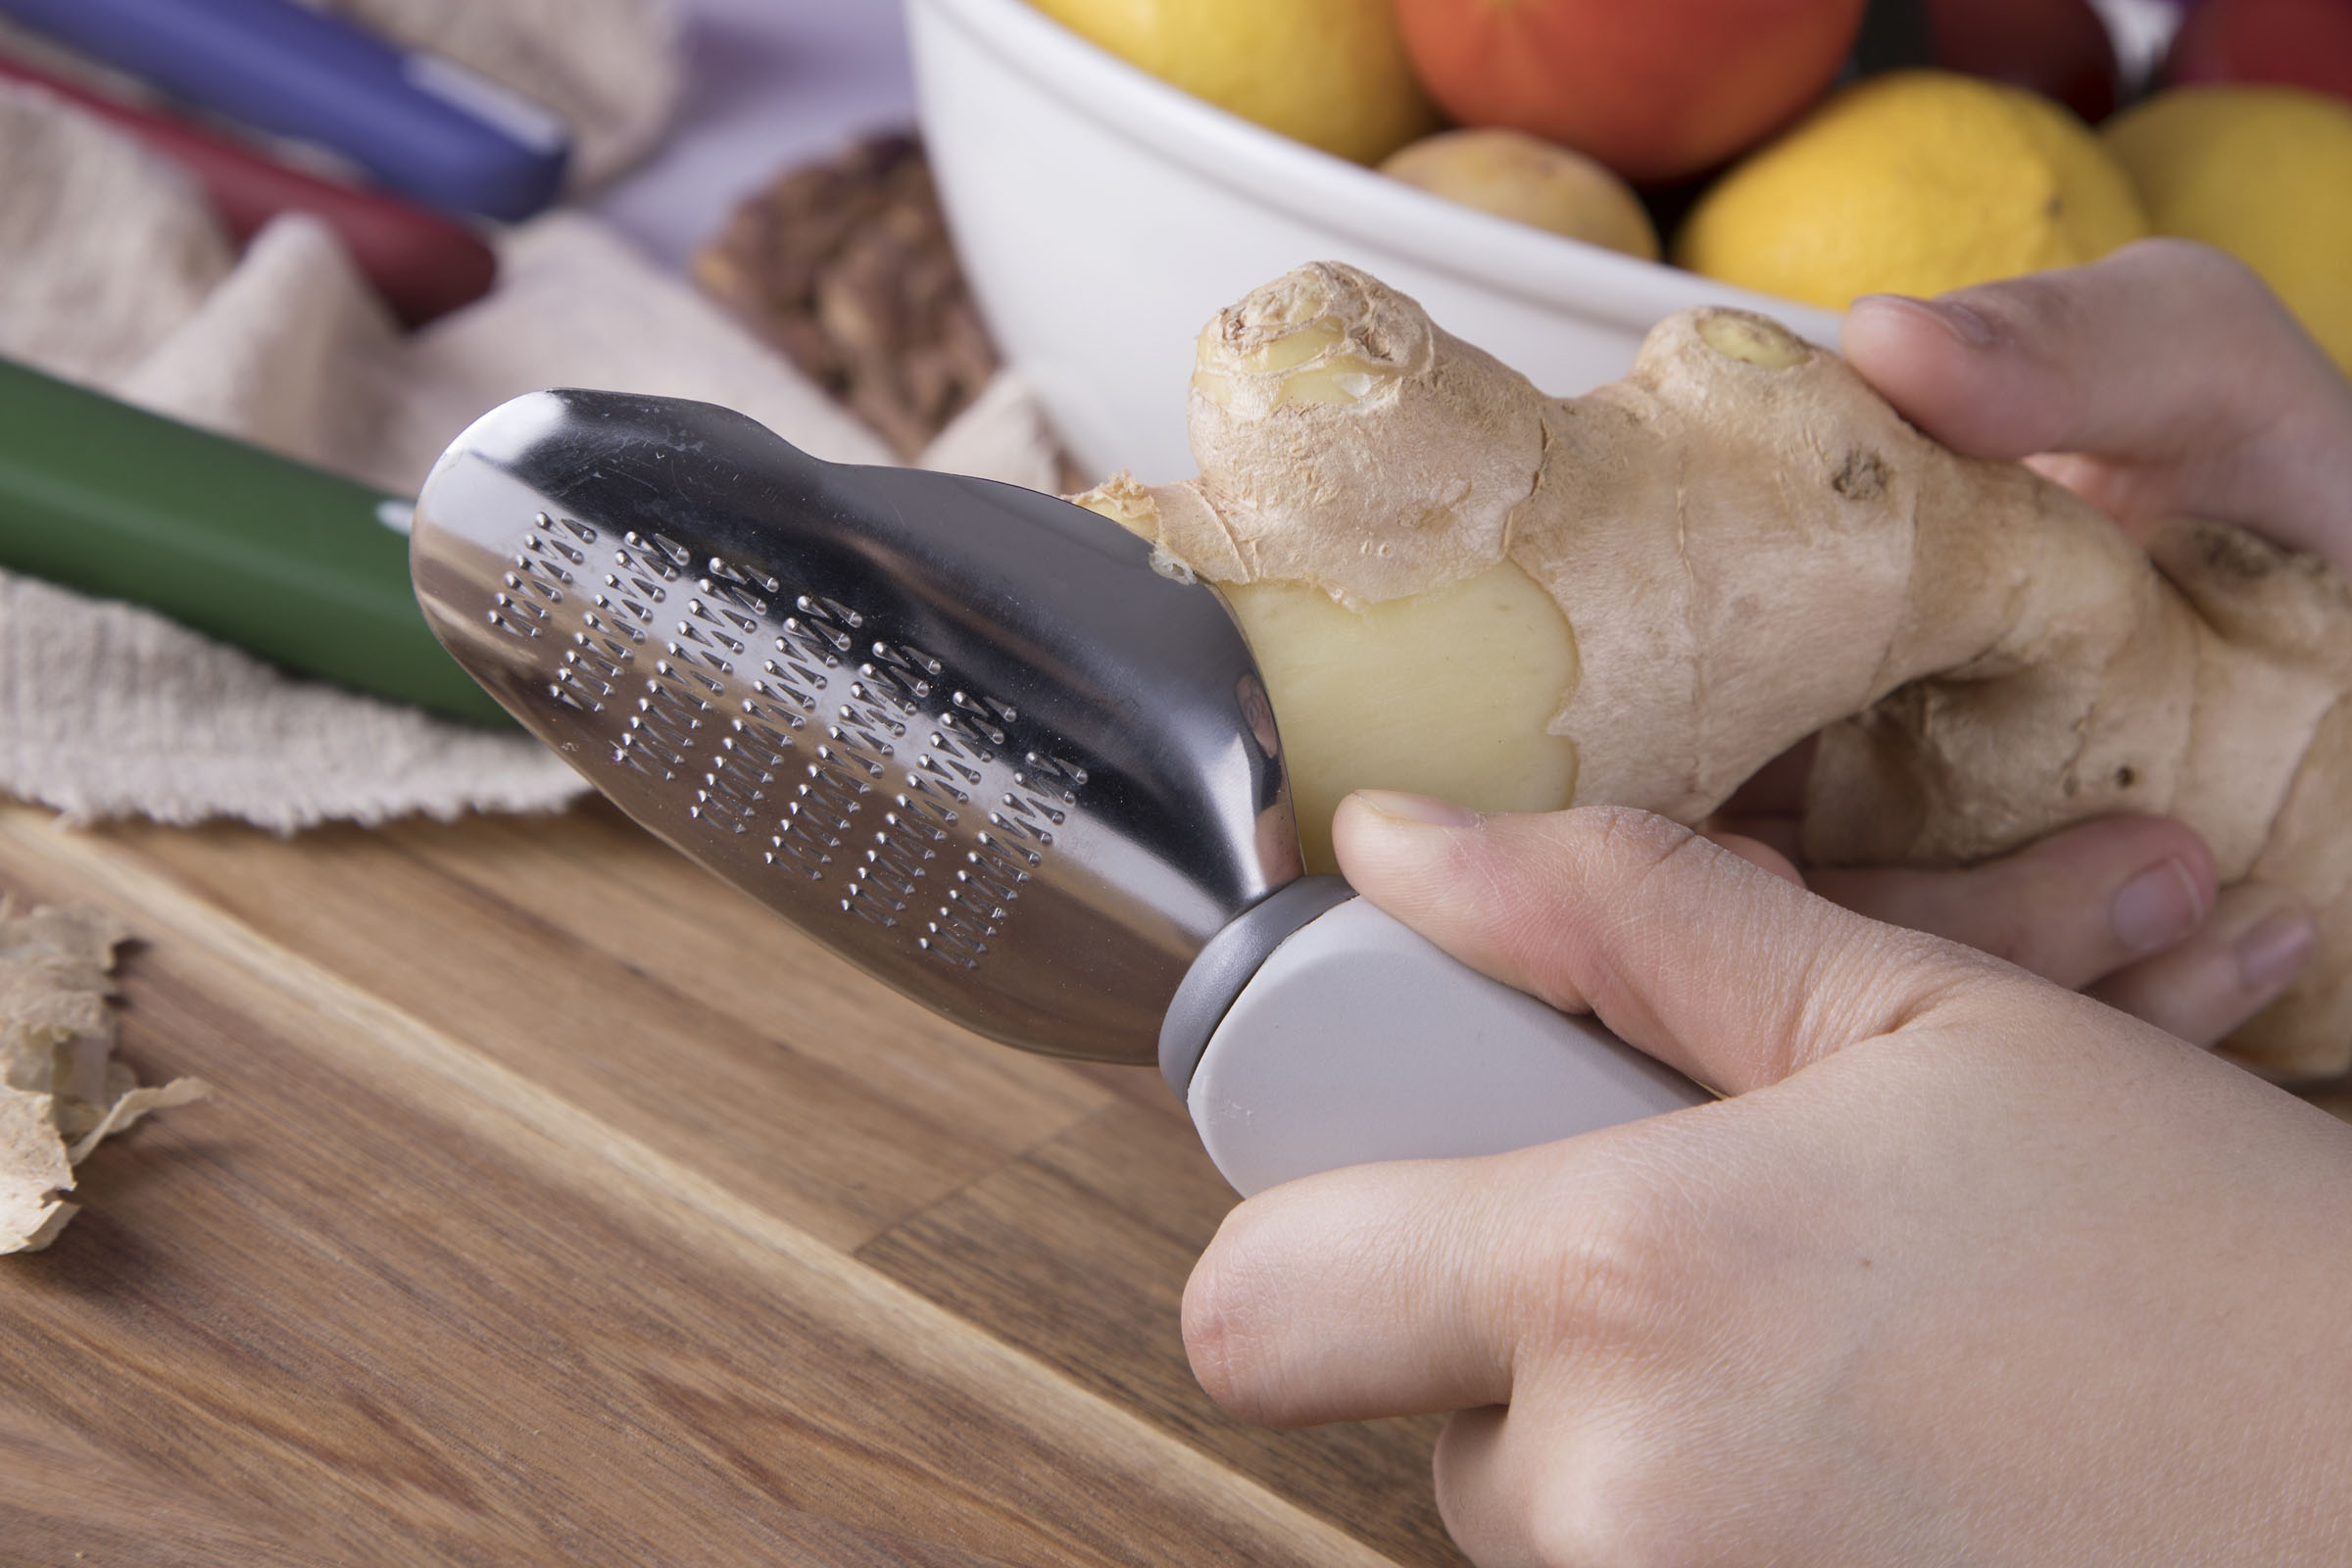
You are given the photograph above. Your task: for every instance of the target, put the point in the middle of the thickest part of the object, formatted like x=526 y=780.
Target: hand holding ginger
x=1639 y=596
x=2172 y=381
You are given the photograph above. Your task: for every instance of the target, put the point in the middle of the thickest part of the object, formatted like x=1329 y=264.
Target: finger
x=2072 y=907
x=1487 y=1487
x=2257 y=942
x=1758 y=852
x=1370 y=1291
x=2168 y=363
x=1696 y=956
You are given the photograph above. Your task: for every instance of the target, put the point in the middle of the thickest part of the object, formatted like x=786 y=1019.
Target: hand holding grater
x=965 y=736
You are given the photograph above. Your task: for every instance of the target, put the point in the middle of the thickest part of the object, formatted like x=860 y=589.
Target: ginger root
x=1456 y=584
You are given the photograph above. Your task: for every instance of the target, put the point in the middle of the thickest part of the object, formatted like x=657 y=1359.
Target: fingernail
x=2275 y=951
x=2156 y=908
x=1424 y=810
x=1963 y=321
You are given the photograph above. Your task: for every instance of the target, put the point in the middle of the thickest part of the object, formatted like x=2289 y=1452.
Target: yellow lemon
x=1328 y=72
x=2264 y=174
x=1913 y=182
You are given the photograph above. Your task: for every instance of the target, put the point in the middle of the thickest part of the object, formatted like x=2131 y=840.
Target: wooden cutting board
x=559 y=1204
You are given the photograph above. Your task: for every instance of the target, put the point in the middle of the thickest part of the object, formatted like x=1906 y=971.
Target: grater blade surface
x=962 y=733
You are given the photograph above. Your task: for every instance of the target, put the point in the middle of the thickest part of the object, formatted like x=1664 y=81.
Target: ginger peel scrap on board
x=61 y=1089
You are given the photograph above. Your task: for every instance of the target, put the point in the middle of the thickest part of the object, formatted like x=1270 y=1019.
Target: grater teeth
x=863 y=764
x=961 y=733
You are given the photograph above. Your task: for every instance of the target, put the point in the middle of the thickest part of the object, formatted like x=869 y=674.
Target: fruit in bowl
x=2295 y=43
x=2059 y=48
x=1656 y=90
x=2263 y=172
x=1331 y=74
x=1531 y=182
x=1913 y=182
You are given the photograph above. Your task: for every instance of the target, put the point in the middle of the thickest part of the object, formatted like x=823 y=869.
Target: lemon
x=2264 y=174
x=1913 y=182
x=1328 y=72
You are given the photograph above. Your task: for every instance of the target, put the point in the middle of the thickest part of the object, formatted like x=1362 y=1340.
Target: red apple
x=1655 y=88
x=2296 y=43
x=2059 y=48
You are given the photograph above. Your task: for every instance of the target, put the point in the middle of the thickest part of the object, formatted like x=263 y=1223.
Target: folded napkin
x=113 y=274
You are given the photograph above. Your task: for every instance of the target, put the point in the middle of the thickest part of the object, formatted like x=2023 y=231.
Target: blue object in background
x=420 y=124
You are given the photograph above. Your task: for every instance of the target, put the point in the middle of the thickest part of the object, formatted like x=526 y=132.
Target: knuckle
x=1628 y=1507
x=1644 y=849
x=2195 y=264
x=1642 y=837
x=1615 y=1277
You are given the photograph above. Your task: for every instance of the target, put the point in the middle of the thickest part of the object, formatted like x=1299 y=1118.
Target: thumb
x=1697 y=955
x=2169 y=369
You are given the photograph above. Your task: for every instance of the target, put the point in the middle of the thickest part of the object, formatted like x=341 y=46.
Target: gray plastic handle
x=1359 y=1041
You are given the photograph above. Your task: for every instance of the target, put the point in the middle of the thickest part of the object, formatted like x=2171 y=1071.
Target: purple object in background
x=420 y=124
x=773 y=83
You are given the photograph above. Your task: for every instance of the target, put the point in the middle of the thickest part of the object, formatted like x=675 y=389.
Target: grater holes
x=898 y=690
x=788 y=852
x=870 y=717
x=1031 y=806
x=832 y=609
x=844 y=756
x=639 y=559
x=977 y=733
x=781 y=690
x=722 y=616
x=629 y=756
x=907 y=657
x=947 y=770
x=743 y=576
x=814 y=639
x=757 y=743
x=587 y=682
x=726 y=801
x=1014 y=825
x=923 y=802
x=855 y=762
x=1008 y=858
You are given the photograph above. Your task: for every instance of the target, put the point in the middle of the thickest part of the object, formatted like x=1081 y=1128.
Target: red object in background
x=1656 y=89
x=2059 y=48
x=421 y=264
x=2295 y=43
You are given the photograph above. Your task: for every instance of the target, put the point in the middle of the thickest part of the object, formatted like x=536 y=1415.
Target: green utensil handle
x=303 y=567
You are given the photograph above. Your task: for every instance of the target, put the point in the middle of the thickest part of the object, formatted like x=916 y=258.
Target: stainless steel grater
x=962 y=733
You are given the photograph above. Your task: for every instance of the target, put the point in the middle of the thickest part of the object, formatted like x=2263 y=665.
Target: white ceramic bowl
x=1104 y=216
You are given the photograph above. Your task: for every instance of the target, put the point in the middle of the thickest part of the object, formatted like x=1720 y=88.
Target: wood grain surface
x=558 y=1204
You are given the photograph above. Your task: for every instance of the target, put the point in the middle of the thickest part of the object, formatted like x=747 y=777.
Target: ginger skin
x=1746 y=545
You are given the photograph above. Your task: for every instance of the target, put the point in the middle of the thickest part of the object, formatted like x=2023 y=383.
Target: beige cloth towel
x=110 y=710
